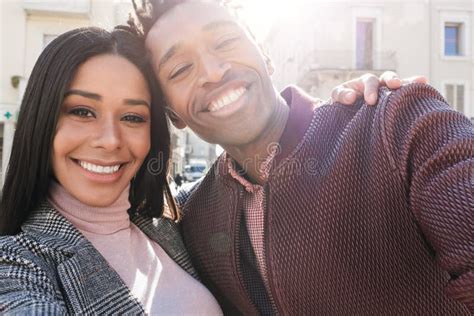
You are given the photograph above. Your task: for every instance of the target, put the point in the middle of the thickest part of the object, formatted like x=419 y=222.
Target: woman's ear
x=175 y=119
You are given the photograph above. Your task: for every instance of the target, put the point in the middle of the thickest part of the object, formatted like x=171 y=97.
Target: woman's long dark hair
x=29 y=172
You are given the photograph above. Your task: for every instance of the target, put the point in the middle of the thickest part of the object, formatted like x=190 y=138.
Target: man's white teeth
x=226 y=99
x=99 y=169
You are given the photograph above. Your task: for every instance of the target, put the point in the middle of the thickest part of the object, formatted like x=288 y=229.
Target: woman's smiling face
x=103 y=132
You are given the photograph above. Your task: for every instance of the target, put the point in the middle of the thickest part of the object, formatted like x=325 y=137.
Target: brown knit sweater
x=369 y=212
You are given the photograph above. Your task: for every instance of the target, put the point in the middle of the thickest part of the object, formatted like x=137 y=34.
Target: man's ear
x=175 y=119
x=268 y=60
x=269 y=64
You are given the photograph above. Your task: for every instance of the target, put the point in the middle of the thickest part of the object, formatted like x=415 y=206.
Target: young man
x=315 y=210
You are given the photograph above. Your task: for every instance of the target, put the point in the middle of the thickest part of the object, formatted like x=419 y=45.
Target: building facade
x=336 y=40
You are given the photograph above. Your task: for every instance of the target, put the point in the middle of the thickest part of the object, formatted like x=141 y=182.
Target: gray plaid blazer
x=51 y=268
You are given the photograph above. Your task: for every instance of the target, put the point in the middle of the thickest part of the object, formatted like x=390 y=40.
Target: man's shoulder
x=411 y=99
x=418 y=108
x=407 y=103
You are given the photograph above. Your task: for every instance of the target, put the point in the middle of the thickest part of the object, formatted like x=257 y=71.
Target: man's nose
x=212 y=69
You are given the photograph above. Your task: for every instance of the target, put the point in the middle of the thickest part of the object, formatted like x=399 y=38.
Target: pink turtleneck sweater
x=160 y=284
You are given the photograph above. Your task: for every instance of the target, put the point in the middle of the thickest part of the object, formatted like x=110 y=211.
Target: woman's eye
x=226 y=43
x=82 y=112
x=134 y=119
x=180 y=71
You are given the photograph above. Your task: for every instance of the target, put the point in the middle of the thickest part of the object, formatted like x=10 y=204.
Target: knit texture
x=370 y=213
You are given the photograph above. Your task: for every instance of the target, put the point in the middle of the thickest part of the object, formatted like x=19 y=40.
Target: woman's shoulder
x=21 y=256
x=14 y=244
x=45 y=237
x=27 y=277
x=22 y=248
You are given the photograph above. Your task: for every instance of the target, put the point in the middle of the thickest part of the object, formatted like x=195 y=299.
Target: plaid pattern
x=370 y=213
x=50 y=268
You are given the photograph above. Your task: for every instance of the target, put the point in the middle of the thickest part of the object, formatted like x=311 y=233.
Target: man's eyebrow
x=218 y=24
x=169 y=53
x=206 y=28
x=136 y=102
x=85 y=94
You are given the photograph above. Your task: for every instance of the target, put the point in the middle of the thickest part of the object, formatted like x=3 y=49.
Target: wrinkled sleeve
x=433 y=148
x=25 y=289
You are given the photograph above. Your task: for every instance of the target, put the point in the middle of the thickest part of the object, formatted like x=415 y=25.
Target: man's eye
x=180 y=71
x=227 y=42
x=82 y=112
x=134 y=118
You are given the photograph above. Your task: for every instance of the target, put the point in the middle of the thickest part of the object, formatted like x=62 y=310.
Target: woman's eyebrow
x=136 y=102
x=98 y=97
x=85 y=94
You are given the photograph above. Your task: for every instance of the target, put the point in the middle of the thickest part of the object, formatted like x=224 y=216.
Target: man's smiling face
x=212 y=73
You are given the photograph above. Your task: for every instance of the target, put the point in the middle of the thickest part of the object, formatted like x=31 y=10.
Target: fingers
x=368 y=85
x=415 y=79
x=347 y=92
x=371 y=87
x=391 y=80
x=343 y=95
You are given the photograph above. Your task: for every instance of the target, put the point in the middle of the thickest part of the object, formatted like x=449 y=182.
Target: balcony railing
x=65 y=7
x=347 y=60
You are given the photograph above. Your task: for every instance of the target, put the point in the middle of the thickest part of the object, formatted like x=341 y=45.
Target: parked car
x=194 y=171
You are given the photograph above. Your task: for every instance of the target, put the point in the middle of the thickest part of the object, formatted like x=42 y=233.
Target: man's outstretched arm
x=432 y=147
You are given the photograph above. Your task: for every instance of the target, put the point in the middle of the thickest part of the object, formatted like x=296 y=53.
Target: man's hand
x=368 y=85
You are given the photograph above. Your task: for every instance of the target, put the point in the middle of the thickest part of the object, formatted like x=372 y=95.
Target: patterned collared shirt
x=254 y=205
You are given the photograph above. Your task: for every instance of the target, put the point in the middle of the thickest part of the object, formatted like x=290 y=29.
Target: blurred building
x=188 y=148
x=332 y=41
x=26 y=27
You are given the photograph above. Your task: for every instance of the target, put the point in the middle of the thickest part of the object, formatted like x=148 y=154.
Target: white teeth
x=99 y=169
x=226 y=99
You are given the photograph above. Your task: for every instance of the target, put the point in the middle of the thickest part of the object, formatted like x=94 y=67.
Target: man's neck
x=252 y=156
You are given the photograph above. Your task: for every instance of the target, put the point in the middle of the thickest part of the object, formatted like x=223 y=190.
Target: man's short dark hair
x=149 y=11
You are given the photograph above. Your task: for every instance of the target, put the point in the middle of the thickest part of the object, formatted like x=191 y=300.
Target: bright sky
x=261 y=14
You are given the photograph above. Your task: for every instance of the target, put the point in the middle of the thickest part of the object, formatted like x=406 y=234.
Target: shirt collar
x=301 y=113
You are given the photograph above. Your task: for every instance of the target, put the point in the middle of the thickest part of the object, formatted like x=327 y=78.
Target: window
x=364 y=44
x=453 y=39
x=455 y=96
x=455 y=34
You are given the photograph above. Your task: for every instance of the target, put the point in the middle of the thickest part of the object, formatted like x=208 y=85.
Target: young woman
x=81 y=213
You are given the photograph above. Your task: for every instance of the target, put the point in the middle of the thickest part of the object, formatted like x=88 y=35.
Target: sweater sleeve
x=432 y=146
x=25 y=289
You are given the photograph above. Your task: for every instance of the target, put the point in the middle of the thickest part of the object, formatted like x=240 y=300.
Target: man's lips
x=224 y=95
x=227 y=98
